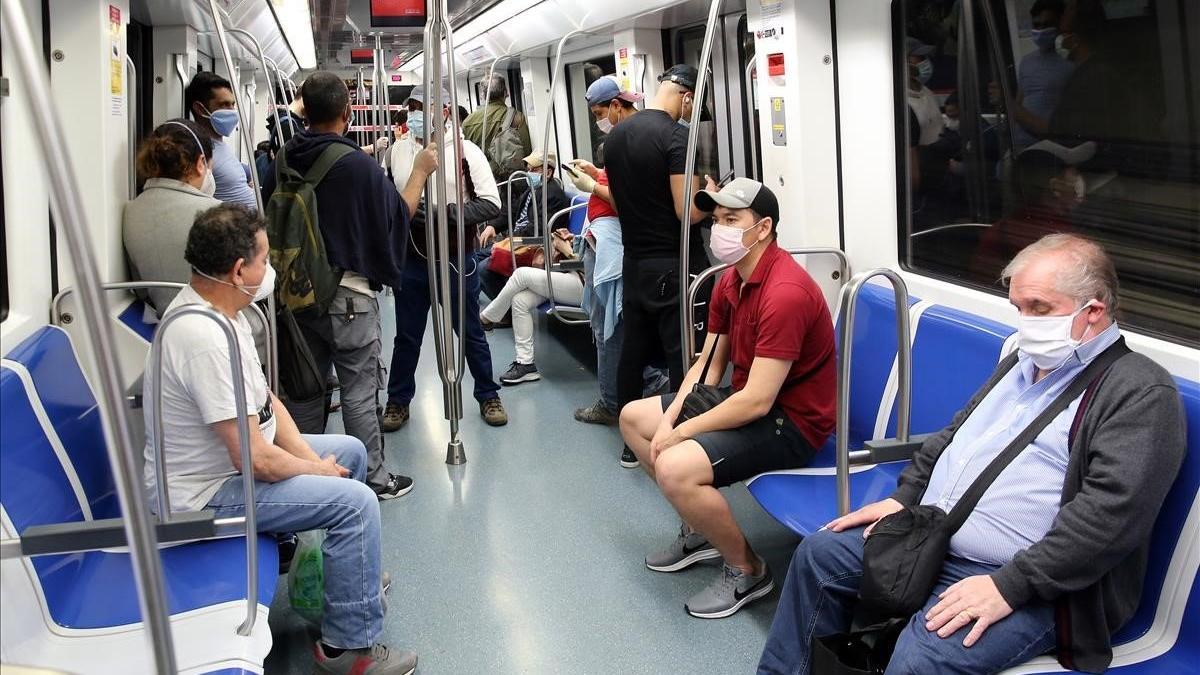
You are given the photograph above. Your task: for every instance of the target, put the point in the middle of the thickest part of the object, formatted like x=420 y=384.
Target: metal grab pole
x=266 y=74
x=522 y=175
x=694 y=288
x=181 y=73
x=550 y=119
x=379 y=74
x=687 y=334
x=548 y=262
x=243 y=428
x=849 y=301
x=131 y=122
x=460 y=197
x=361 y=90
x=245 y=117
x=488 y=93
x=68 y=212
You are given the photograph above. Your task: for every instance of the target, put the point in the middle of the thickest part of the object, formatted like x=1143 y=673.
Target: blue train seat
x=578 y=217
x=1164 y=634
x=54 y=469
x=943 y=380
x=134 y=318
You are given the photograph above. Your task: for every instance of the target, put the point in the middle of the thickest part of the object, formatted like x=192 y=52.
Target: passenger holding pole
x=302 y=481
x=645 y=159
x=481 y=203
x=364 y=225
x=768 y=318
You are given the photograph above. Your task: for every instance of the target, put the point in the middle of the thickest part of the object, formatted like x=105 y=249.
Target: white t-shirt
x=405 y=150
x=198 y=392
x=925 y=106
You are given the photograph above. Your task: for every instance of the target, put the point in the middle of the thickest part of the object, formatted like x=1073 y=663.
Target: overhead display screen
x=362 y=56
x=397 y=13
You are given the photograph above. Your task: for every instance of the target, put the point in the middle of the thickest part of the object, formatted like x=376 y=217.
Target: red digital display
x=361 y=56
x=397 y=13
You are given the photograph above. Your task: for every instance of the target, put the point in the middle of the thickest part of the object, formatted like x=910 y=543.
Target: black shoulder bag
x=703 y=397
x=906 y=550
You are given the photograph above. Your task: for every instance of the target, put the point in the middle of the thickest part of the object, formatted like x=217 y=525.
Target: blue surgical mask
x=416 y=125
x=535 y=179
x=924 y=71
x=224 y=122
x=1044 y=38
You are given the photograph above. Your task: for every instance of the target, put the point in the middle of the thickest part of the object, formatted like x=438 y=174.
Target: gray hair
x=1089 y=273
x=497 y=88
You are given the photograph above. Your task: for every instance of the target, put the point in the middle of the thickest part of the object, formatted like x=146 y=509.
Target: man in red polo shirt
x=769 y=319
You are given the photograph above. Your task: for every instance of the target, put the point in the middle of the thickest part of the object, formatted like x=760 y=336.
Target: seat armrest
x=94 y=535
x=891 y=449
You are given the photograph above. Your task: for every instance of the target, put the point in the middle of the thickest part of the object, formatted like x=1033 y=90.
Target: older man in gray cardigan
x=1053 y=555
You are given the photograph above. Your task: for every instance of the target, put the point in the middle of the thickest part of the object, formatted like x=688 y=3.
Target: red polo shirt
x=597 y=207
x=780 y=313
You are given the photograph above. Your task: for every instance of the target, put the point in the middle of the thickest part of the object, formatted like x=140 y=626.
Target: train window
x=688 y=44
x=1020 y=118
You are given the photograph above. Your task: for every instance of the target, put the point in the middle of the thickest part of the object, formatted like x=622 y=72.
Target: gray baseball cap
x=418 y=94
x=741 y=193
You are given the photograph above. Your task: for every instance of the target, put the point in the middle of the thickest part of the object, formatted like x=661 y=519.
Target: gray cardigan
x=1126 y=453
x=155 y=230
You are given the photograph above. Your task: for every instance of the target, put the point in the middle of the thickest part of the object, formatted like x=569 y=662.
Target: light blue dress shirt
x=1041 y=78
x=231 y=177
x=1020 y=506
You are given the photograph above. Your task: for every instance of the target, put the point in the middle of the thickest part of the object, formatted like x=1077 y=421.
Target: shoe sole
x=608 y=422
x=750 y=597
x=687 y=561
x=389 y=428
x=529 y=377
x=630 y=465
x=384 y=496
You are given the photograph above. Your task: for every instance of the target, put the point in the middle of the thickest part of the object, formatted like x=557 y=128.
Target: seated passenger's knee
x=673 y=473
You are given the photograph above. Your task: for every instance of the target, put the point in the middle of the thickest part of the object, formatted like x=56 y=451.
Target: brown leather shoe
x=492 y=411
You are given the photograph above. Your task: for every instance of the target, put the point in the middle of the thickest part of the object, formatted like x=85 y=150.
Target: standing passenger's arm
x=679 y=193
x=424 y=164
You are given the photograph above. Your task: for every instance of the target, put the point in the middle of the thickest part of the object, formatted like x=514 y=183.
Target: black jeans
x=650 y=318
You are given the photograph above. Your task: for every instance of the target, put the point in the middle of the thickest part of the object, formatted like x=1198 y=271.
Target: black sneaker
x=397 y=486
x=520 y=372
x=628 y=459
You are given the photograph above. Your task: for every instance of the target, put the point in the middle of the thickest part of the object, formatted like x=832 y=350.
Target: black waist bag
x=703 y=397
x=903 y=557
x=862 y=652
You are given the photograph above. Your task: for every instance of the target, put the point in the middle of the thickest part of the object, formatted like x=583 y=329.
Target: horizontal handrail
x=108 y=533
x=58 y=318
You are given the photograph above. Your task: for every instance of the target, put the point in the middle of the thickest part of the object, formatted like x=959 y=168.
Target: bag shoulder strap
x=329 y=156
x=708 y=361
x=509 y=117
x=1090 y=375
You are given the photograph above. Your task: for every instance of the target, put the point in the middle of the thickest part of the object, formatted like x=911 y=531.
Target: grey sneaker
x=596 y=413
x=375 y=660
x=729 y=592
x=520 y=372
x=685 y=551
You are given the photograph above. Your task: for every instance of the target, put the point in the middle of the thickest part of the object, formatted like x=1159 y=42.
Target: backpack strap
x=509 y=118
x=329 y=156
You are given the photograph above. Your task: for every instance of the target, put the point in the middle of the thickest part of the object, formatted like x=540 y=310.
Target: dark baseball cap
x=682 y=75
x=741 y=193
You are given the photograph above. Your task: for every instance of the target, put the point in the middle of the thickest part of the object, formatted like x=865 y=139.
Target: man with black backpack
x=331 y=267
x=507 y=131
x=1061 y=462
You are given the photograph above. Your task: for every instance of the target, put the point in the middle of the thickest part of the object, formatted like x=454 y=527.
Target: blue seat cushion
x=64 y=393
x=96 y=589
x=578 y=217
x=805 y=503
x=133 y=317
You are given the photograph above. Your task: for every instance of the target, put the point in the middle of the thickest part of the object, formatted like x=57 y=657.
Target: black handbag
x=904 y=554
x=703 y=397
x=859 y=652
x=299 y=377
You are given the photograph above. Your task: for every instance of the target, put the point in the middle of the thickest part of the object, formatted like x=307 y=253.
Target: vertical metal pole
x=487 y=93
x=454 y=456
x=849 y=302
x=549 y=120
x=379 y=74
x=69 y=217
x=361 y=90
x=687 y=334
x=180 y=61
x=243 y=427
x=266 y=74
x=131 y=122
x=246 y=118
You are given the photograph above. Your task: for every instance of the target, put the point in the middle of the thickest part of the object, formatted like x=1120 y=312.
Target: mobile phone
x=725 y=179
x=570 y=170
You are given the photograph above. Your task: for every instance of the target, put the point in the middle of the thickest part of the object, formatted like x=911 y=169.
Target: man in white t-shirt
x=303 y=482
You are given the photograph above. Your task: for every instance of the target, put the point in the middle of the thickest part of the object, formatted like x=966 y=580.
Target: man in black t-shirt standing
x=645 y=157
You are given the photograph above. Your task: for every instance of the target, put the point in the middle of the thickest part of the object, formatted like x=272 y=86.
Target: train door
x=585 y=135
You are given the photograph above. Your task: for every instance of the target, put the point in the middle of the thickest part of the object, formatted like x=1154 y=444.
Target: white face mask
x=726 y=243
x=260 y=292
x=209 y=187
x=1047 y=339
x=604 y=125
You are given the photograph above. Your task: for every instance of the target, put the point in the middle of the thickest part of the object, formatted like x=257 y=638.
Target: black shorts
x=769 y=443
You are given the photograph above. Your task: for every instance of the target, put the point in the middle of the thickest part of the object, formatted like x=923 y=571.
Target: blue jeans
x=348 y=511
x=412 y=314
x=818 y=599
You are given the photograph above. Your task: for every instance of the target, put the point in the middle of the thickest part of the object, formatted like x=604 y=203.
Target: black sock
x=331 y=652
